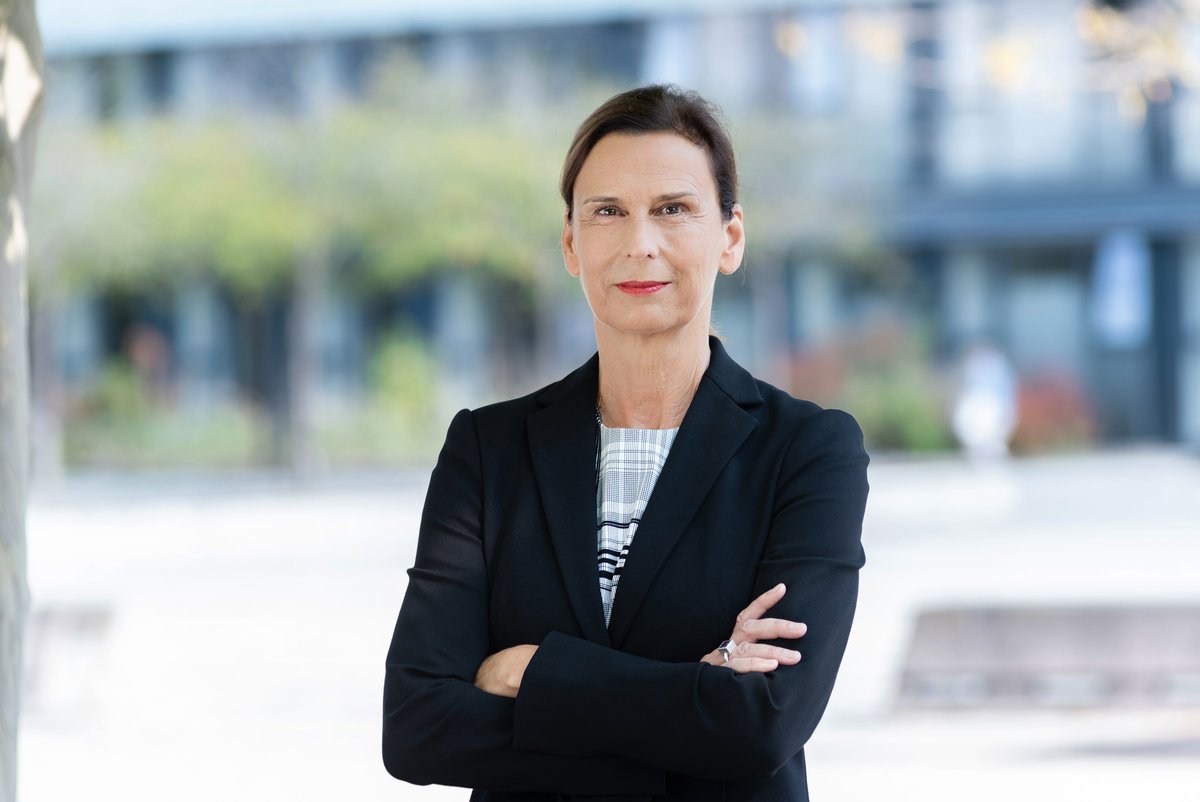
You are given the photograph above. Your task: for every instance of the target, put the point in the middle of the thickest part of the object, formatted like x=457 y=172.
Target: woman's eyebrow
x=673 y=196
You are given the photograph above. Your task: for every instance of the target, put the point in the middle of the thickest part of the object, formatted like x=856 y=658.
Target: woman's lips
x=641 y=287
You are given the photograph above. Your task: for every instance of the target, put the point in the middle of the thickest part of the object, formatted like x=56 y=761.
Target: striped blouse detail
x=630 y=461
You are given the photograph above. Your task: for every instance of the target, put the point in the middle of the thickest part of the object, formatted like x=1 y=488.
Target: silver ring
x=727 y=649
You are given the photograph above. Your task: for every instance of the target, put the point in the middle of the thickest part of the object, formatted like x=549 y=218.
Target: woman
x=568 y=633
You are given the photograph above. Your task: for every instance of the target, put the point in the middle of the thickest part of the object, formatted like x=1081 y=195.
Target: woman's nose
x=641 y=242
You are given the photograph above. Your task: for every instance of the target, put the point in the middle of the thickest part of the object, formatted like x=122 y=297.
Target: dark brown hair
x=658 y=108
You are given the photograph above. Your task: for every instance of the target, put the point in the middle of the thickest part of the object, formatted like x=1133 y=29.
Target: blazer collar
x=562 y=439
x=730 y=377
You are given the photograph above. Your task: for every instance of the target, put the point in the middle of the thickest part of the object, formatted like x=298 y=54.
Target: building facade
x=1038 y=198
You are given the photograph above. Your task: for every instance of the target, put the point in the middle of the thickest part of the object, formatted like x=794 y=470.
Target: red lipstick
x=641 y=287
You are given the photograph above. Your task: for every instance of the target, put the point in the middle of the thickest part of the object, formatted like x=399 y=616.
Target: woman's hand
x=749 y=655
x=501 y=673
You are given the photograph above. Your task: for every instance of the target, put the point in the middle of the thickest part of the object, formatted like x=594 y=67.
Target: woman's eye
x=671 y=208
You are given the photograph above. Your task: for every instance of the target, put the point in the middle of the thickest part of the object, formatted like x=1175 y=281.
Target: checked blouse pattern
x=629 y=463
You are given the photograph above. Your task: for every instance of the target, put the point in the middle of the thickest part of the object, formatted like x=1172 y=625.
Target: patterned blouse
x=629 y=462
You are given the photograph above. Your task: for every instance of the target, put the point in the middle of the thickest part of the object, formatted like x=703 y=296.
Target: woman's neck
x=648 y=382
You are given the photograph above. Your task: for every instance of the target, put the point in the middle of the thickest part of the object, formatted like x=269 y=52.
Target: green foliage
x=885 y=378
x=119 y=424
x=399 y=419
x=462 y=196
x=406 y=190
x=117 y=395
x=219 y=197
x=120 y=421
x=899 y=407
x=86 y=226
x=900 y=400
x=404 y=379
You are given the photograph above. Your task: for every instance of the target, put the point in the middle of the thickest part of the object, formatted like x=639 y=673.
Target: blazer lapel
x=711 y=432
x=562 y=441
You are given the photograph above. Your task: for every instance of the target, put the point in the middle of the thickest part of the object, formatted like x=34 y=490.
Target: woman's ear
x=570 y=258
x=735 y=242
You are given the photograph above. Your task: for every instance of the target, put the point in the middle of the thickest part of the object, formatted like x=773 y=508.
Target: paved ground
x=247 y=621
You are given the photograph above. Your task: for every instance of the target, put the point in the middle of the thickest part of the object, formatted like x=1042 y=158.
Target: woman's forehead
x=653 y=164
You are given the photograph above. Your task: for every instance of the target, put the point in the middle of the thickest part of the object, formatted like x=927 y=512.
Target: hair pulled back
x=658 y=108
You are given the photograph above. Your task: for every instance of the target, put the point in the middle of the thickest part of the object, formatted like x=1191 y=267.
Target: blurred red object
x=1053 y=413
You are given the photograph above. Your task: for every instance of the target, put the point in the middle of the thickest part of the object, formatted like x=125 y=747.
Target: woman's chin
x=644 y=328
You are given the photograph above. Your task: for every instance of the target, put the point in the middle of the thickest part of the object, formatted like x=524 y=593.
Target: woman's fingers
x=760 y=657
x=759 y=607
x=766 y=652
x=768 y=629
x=750 y=657
x=748 y=665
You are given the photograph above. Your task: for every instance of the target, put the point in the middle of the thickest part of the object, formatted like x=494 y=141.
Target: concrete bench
x=1053 y=657
x=64 y=658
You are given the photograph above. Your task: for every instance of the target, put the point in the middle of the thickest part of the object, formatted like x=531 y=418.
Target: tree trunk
x=309 y=291
x=46 y=417
x=20 y=105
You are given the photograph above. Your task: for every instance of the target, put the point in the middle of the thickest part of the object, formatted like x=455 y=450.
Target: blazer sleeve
x=437 y=726
x=581 y=698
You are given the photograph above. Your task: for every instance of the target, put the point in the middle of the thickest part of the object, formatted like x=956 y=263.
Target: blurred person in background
x=613 y=573
x=985 y=409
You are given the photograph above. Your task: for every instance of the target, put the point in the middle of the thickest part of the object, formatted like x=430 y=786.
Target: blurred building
x=1039 y=198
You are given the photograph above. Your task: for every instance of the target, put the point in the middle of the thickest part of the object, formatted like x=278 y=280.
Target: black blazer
x=759 y=488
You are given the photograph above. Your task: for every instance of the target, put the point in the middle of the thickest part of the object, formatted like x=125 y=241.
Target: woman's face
x=647 y=238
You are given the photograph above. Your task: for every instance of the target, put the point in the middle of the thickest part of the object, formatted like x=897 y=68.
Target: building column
x=925 y=97
x=927 y=295
x=1121 y=336
x=966 y=295
x=1189 y=344
x=1168 y=331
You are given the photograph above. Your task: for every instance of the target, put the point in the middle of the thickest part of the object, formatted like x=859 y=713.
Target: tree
x=278 y=210
x=20 y=104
